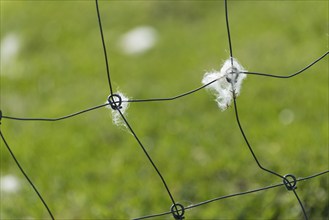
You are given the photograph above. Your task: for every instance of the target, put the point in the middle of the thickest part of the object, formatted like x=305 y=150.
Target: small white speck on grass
x=138 y=40
x=10 y=45
x=229 y=79
x=9 y=184
x=9 y=48
x=286 y=116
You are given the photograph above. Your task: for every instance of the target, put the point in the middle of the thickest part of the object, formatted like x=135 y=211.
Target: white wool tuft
x=226 y=82
x=116 y=117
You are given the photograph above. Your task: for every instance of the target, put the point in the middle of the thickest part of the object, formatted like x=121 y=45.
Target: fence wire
x=115 y=102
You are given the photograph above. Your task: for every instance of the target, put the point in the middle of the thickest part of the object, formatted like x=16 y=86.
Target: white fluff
x=226 y=82
x=116 y=117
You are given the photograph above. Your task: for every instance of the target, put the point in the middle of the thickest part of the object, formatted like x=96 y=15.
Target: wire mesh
x=178 y=209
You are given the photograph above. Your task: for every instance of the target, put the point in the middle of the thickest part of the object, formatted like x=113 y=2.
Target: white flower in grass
x=117 y=102
x=229 y=79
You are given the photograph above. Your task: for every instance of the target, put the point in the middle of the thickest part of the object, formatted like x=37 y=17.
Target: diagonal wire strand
x=300 y=204
x=125 y=120
x=148 y=156
x=26 y=176
x=246 y=139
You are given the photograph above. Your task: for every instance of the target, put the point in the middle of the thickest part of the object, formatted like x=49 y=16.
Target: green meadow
x=85 y=167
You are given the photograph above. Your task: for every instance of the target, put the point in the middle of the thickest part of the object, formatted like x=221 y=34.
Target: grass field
x=87 y=168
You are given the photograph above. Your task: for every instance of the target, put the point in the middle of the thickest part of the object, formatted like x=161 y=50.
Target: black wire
x=288 y=76
x=55 y=119
x=244 y=72
x=300 y=204
x=104 y=48
x=233 y=92
x=128 y=125
x=236 y=194
x=174 y=97
x=246 y=140
x=168 y=99
x=236 y=109
x=26 y=176
x=148 y=157
x=228 y=32
x=257 y=190
x=313 y=176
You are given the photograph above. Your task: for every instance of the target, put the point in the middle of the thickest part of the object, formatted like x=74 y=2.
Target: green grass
x=87 y=168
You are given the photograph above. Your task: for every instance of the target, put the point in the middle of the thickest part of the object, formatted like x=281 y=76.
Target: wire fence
x=117 y=103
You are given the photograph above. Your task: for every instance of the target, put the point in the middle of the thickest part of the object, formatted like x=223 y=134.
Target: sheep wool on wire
x=228 y=79
x=121 y=104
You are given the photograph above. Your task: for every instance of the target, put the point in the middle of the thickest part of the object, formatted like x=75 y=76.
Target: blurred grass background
x=87 y=168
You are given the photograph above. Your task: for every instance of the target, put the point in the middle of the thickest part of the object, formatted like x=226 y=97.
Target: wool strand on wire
x=229 y=79
x=115 y=102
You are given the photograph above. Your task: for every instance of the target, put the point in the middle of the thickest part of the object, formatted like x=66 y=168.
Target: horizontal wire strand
x=174 y=97
x=56 y=119
x=169 y=98
x=288 y=76
x=235 y=195
x=243 y=72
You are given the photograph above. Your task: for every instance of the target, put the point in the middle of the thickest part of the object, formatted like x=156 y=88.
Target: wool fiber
x=116 y=116
x=228 y=79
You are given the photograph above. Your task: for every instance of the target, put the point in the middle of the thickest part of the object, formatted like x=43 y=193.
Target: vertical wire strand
x=104 y=48
x=234 y=97
x=130 y=128
x=237 y=115
x=26 y=176
x=148 y=157
x=228 y=32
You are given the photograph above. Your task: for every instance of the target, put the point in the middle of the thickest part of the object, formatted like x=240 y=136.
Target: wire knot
x=232 y=74
x=115 y=101
x=177 y=210
x=290 y=182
